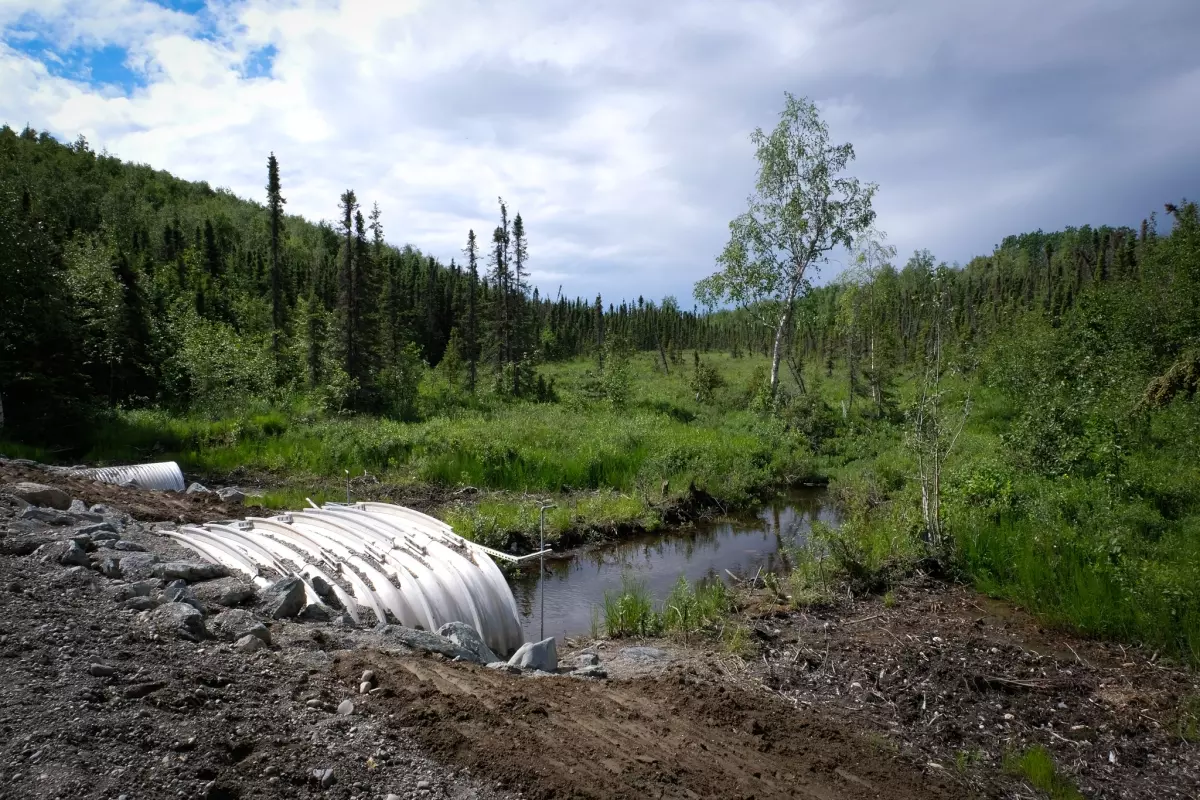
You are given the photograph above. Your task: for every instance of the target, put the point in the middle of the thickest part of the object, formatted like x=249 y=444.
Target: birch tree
x=802 y=208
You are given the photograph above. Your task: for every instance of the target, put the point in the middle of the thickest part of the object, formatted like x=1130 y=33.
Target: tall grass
x=688 y=608
x=1036 y=765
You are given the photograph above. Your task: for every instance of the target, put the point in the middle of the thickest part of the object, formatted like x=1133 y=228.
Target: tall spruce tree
x=472 y=344
x=275 y=203
x=520 y=253
x=347 y=317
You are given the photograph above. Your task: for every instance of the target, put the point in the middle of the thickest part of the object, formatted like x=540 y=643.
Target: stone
x=235 y=623
x=317 y=612
x=177 y=619
x=468 y=639
x=645 y=654
x=541 y=655
x=324 y=777
x=591 y=671
x=364 y=687
x=198 y=488
x=423 y=786
x=105 y=511
x=587 y=659
x=77 y=506
x=504 y=666
x=249 y=644
x=178 y=591
x=190 y=571
x=129 y=547
x=284 y=598
x=345 y=708
x=86 y=516
x=132 y=567
x=138 y=589
x=228 y=592
x=38 y=494
x=368 y=676
x=101 y=670
x=392 y=797
x=67 y=553
x=142 y=603
x=231 y=494
x=46 y=516
x=424 y=640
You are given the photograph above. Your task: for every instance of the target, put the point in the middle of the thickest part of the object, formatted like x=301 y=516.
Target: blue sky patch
x=258 y=64
x=98 y=66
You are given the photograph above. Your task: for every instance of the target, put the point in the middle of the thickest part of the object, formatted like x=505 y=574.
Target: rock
x=198 y=488
x=423 y=786
x=77 y=506
x=129 y=547
x=587 y=659
x=592 y=671
x=392 y=797
x=424 y=640
x=345 y=708
x=231 y=494
x=190 y=571
x=142 y=689
x=284 y=598
x=46 y=516
x=468 y=639
x=226 y=592
x=86 y=516
x=249 y=644
x=102 y=670
x=541 y=655
x=364 y=687
x=178 y=619
x=504 y=666
x=98 y=530
x=67 y=553
x=39 y=494
x=317 y=612
x=368 y=676
x=236 y=623
x=142 y=603
x=132 y=567
x=324 y=777
x=645 y=654
x=105 y=511
x=178 y=591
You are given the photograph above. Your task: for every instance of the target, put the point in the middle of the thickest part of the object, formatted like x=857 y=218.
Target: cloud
x=620 y=130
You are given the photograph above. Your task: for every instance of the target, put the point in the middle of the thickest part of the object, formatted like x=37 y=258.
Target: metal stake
x=542 y=571
x=347 y=487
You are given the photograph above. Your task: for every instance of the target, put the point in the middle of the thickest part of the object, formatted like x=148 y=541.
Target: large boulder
x=284 y=598
x=68 y=553
x=39 y=494
x=541 y=656
x=190 y=571
x=424 y=640
x=131 y=567
x=228 y=592
x=235 y=623
x=468 y=639
x=231 y=494
x=46 y=516
x=176 y=619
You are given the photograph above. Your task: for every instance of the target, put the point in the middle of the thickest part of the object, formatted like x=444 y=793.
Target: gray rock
x=77 y=506
x=38 y=494
x=587 y=659
x=364 y=687
x=424 y=640
x=423 y=786
x=226 y=592
x=137 y=589
x=231 y=494
x=368 y=676
x=102 y=670
x=198 y=488
x=131 y=567
x=284 y=598
x=142 y=603
x=393 y=797
x=468 y=639
x=317 y=612
x=99 y=530
x=504 y=666
x=592 y=671
x=345 y=708
x=46 y=516
x=177 y=619
x=129 y=547
x=645 y=654
x=235 y=623
x=83 y=541
x=105 y=511
x=541 y=655
x=67 y=553
x=249 y=644
x=190 y=571
x=86 y=516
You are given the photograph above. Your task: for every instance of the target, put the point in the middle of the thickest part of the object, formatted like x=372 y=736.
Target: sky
x=620 y=129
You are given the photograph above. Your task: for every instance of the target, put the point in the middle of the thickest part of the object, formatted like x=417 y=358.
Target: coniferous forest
x=1028 y=420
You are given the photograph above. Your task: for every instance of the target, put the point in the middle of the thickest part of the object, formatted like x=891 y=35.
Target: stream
x=575 y=586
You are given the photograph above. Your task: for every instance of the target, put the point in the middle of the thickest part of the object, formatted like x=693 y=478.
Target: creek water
x=575 y=586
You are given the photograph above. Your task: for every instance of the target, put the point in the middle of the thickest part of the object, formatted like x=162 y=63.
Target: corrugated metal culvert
x=164 y=476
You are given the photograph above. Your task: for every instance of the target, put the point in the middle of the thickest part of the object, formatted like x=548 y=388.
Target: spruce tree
x=520 y=255
x=275 y=203
x=347 y=316
x=472 y=344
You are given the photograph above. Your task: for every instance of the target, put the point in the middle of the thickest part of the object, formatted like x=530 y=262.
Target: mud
x=685 y=734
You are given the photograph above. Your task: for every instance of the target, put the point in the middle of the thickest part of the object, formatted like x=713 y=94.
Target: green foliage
x=1036 y=765
x=630 y=612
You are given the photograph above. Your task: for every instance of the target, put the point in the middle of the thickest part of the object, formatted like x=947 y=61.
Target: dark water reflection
x=576 y=586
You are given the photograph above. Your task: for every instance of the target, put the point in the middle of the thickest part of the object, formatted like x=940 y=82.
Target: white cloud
x=619 y=130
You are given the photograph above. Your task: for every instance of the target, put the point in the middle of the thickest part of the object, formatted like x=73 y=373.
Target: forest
x=1026 y=421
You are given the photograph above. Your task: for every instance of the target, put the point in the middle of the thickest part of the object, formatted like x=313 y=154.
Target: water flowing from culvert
x=575 y=586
